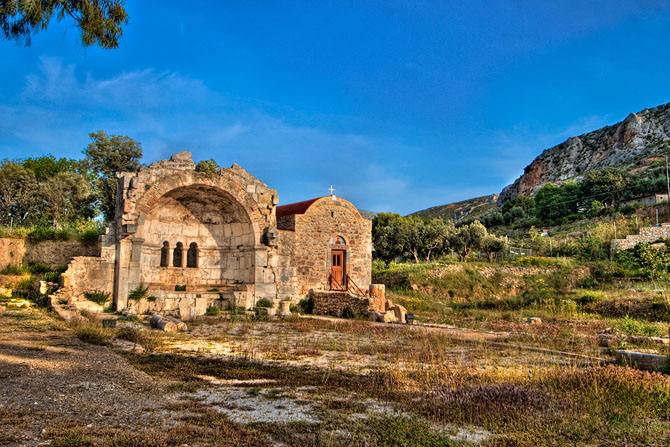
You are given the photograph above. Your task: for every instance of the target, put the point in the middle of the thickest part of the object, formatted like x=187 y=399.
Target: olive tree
x=467 y=238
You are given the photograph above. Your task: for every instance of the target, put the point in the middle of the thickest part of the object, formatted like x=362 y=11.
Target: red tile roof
x=295 y=208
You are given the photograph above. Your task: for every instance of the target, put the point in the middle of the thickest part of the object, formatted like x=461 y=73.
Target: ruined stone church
x=194 y=240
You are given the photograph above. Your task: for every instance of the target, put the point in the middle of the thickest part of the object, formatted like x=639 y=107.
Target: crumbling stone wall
x=334 y=303
x=88 y=273
x=647 y=234
x=52 y=253
x=316 y=232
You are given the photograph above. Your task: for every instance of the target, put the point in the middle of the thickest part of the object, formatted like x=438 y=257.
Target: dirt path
x=50 y=378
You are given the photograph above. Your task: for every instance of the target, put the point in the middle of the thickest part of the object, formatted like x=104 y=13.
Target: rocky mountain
x=367 y=214
x=628 y=144
x=471 y=208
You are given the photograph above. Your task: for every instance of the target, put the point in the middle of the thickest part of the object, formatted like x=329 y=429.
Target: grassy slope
x=470 y=208
x=572 y=298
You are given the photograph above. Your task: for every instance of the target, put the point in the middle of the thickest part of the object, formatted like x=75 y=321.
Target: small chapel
x=188 y=240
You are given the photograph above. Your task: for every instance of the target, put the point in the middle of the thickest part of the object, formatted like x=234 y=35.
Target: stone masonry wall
x=315 y=232
x=647 y=234
x=53 y=253
x=284 y=266
x=88 y=273
x=334 y=303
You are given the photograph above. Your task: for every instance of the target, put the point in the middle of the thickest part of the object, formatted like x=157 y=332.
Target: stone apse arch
x=224 y=215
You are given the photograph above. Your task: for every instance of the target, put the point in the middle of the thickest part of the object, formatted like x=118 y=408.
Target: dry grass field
x=319 y=382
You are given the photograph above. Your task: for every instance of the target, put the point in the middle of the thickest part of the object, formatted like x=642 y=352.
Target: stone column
x=123 y=251
x=264 y=281
x=135 y=262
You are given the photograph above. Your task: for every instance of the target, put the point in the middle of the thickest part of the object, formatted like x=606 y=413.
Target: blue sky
x=401 y=105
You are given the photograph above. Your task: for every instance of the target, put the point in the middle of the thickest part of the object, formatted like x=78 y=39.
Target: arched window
x=192 y=255
x=338 y=240
x=165 y=254
x=177 y=255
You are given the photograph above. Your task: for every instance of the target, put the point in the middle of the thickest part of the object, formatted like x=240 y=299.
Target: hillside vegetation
x=466 y=209
x=630 y=145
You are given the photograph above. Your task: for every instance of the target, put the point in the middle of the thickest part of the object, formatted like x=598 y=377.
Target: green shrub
x=212 y=311
x=180 y=288
x=348 y=313
x=52 y=276
x=141 y=337
x=110 y=308
x=97 y=296
x=139 y=293
x=588 y=298
x=631 y=326
x=89 y=237
x=39 y=234
x=38 y=268
x=14 y=269
x=398 y=431
x=264 y=302
x=305 y=306
x=93 y=334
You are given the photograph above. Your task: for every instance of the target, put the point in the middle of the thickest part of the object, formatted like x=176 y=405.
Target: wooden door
x=337 y=279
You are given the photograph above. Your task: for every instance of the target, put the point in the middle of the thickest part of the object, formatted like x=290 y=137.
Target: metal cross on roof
x=331 y=189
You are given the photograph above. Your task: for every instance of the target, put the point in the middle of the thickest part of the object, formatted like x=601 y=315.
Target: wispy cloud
x=168 y=112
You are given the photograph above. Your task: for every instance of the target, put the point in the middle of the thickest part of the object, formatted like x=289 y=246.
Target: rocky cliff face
x=626 y=144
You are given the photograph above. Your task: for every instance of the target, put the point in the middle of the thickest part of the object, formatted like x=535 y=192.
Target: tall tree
x=467 y=238
x=62 y=194
x=47 y=166
x=493 y=245
x=389 y=236
x=606 y=185
x=107 y=155
x=18 y=188
x=100 y=22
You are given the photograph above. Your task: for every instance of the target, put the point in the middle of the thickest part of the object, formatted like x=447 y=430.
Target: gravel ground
x=49 y=377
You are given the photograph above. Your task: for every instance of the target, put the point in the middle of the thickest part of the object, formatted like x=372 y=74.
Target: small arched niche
x=165 y=254
x=192 y=256
x=178 y=255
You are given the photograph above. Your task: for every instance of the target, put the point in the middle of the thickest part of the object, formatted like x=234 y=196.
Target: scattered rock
x=608 y=340
x=109 y=322
x=400 y=313
x=167 y=324
x=530 y=320
x=389 y=317
x=639 y=360
x=128 y=346
x=374 y=315
x=2 y=309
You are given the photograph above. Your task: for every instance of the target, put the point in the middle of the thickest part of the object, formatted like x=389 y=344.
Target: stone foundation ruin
x=182 y=241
